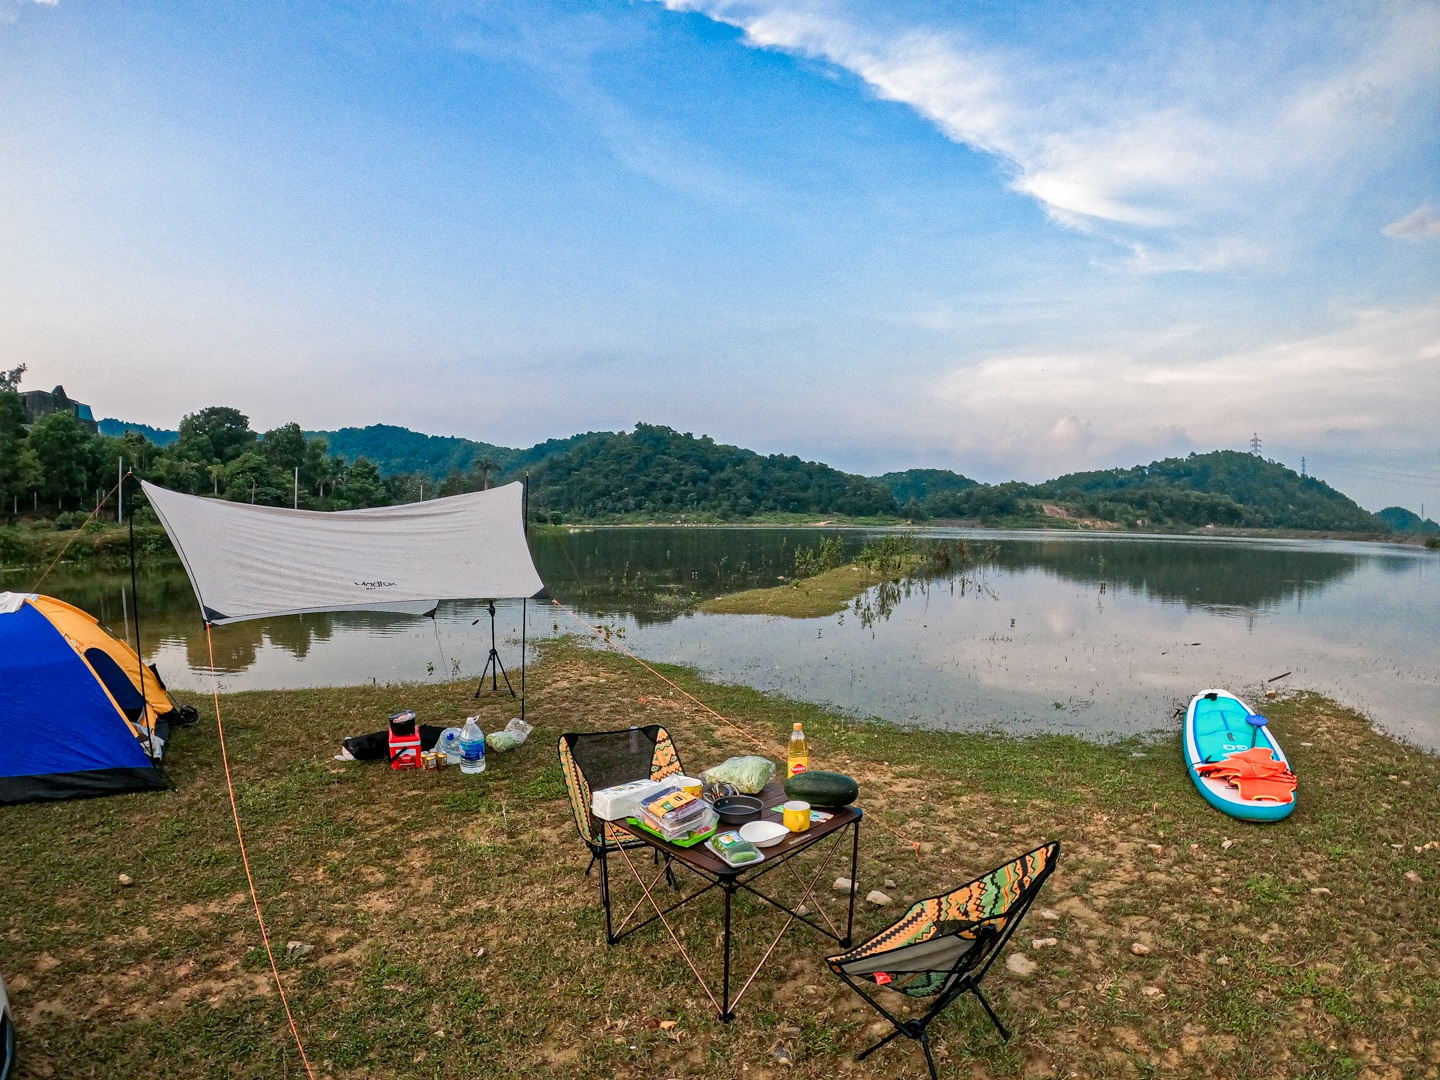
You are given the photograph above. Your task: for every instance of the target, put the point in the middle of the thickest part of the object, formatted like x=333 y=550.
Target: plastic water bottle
x=472 y=746
x=449 y=745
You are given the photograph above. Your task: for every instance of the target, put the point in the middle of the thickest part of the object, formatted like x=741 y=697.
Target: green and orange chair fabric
x=592 y=760
x=943 y=946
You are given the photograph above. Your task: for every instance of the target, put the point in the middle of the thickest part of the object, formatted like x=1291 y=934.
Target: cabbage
x=747 y=774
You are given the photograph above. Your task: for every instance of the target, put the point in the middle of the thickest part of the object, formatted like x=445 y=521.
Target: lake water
x=1096 y=634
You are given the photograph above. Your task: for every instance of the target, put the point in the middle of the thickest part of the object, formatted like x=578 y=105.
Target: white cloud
x=1173 y=149
x=10 y=9
x=1369 y=382
x=1420 y=224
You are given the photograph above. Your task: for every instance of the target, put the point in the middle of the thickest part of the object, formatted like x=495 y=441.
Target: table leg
x=725 y=1014
x=679 y=945
x=854 y=869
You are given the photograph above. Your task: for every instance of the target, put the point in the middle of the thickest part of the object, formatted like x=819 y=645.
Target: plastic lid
x=797 y=727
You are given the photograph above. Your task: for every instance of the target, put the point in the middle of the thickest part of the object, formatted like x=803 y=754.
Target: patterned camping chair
x=943 y=946
x=599 y=759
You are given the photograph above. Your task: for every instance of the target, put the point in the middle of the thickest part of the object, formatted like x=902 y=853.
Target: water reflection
x=237 y=645
x=1074 y=632
x=1220 y=575
x=655 y=575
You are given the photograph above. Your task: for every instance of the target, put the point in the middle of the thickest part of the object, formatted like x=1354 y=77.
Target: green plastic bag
x=747 y=774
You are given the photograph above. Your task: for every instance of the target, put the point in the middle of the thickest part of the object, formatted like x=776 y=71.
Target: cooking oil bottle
x=799 y=751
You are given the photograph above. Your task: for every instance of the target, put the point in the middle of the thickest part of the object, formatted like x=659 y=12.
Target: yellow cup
x=690 y=784
x=797 y=815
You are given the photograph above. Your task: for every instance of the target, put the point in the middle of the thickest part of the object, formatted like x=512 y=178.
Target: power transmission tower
x=1302 y=468
x=1255 y=444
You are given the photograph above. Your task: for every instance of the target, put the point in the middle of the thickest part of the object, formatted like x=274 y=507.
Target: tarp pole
x=135 y=592
x=524 y=600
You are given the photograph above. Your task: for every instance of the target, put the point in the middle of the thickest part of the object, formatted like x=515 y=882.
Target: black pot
x=737 y=809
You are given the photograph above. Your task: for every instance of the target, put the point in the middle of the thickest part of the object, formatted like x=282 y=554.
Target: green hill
x=397 y=450
x=656 y=471
x=917 y=485
x=1224 y=487
x=1407 y=521
x=117 y=428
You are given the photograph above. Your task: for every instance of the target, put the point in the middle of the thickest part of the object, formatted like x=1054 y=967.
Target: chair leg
x=1004 y=1035
x=929 y=1060
x=883 y=1042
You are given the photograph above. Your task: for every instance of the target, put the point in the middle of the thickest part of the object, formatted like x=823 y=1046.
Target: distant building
x=40 y=403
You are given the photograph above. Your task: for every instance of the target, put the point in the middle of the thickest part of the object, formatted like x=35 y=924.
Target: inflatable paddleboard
x=1219 y=733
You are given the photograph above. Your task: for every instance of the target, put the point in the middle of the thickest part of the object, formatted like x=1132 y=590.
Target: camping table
x=717 y=874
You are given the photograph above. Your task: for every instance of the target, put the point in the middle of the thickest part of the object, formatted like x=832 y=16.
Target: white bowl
x=763 y=833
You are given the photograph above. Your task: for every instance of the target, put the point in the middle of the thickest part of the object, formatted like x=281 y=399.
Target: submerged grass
x=456 y=933
x=821 y=587
x=827 y=593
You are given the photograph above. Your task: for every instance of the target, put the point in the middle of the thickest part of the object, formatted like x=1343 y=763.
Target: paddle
x=1256 y=722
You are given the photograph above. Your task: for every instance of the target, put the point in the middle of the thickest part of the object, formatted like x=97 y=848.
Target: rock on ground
x=1020 y=964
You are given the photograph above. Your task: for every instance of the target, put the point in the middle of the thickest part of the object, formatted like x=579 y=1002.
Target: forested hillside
x=397 y=450
x=56 y=469
x=1408 y=522
x=918 y=485
x=658 y=472
x=1224 y=487
x=116 y=429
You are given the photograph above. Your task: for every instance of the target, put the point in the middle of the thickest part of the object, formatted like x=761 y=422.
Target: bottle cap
x=797 y=727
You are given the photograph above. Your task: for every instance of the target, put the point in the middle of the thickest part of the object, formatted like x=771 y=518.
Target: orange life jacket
x=1256 y=773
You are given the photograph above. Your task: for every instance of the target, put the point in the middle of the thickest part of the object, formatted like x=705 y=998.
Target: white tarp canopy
x=248 y=561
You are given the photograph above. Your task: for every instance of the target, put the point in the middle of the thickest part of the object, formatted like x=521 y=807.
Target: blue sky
x=1010 y=239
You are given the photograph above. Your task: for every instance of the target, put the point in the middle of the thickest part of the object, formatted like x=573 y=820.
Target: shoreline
x=106 y=547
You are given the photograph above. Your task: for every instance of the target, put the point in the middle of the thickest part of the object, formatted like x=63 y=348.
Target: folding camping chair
x=599 y=759
x=943 y=946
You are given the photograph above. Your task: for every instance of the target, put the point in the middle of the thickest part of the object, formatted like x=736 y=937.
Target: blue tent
x=63 y=733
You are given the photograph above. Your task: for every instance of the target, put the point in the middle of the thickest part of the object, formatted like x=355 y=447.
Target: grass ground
x=824 y=594
x=455 y=933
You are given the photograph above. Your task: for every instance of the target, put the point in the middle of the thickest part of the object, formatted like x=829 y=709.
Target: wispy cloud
x=1184 y=151
x=1420 y=224
x=1372 y=378
x=10 y=9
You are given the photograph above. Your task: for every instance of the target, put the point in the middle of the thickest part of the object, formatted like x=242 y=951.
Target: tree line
x=58 y=468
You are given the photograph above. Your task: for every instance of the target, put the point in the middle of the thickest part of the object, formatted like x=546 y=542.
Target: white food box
x=622 y=800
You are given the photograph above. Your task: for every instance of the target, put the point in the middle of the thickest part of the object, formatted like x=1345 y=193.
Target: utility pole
x=1255 y=444
x=297 y=487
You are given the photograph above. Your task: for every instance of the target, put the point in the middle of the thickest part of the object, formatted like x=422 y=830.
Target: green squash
x=822 y=788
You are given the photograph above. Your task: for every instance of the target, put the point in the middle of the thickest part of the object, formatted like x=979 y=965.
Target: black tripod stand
x=493 y=667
